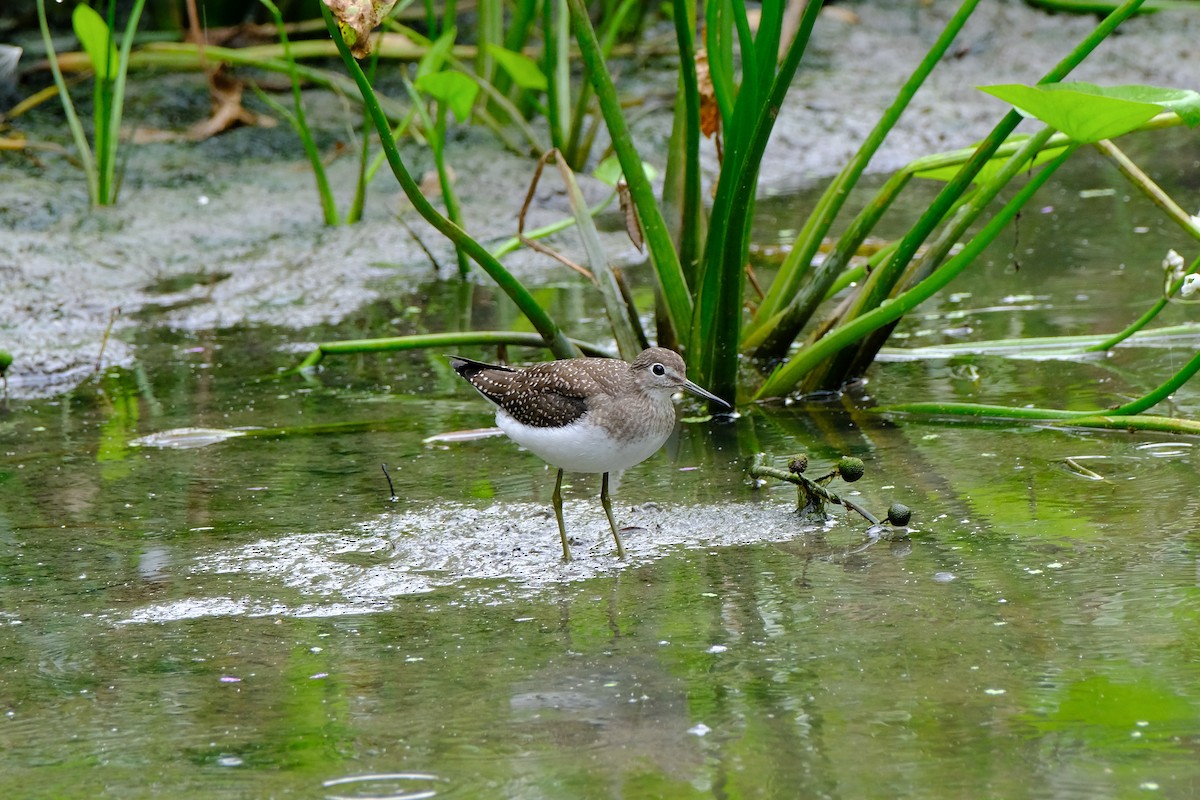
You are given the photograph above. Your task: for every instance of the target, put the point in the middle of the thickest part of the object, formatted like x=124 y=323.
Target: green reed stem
x=677 y=299
x=81 y=143
x=552 y=335
x=808 y=358
x=784 y=289
x=431 y=340
x=300 y=122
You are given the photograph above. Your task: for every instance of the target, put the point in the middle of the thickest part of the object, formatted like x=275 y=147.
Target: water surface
x=258 y=617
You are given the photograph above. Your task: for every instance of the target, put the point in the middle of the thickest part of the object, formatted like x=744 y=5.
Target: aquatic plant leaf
x=96 y=39
x=609 y=171
x=633 y=226
x=452 y=88
x=356 y=19
x=1184 y=102
x=1085 y=112
x=436 y=56
x=521 y=68
x=991 y=168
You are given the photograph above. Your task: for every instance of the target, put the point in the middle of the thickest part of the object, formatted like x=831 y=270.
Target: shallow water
x=257 y=617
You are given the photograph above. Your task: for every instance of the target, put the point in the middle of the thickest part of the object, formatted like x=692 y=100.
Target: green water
x=258 y=618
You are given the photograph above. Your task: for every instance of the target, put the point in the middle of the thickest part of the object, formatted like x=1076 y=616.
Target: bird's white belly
x=580 y=446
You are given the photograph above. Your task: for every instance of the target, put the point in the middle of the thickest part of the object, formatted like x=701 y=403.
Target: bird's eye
x=658 y=369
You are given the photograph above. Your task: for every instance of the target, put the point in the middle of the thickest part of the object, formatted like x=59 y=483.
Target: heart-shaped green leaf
x=436 y=55
x=452 y=88
x=609 y=171
x=1089 y=113
x=521 y=68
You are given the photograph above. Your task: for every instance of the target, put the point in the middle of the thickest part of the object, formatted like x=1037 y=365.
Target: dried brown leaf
x=710 y=112
x=633 y=225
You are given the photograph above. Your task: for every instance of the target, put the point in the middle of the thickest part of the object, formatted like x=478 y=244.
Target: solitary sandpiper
x=586 y=414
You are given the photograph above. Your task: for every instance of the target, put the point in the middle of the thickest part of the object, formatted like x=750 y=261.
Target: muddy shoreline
x=228 y=232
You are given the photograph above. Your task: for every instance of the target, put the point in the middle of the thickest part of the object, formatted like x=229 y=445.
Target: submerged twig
x=391 y=488
x=812 y=494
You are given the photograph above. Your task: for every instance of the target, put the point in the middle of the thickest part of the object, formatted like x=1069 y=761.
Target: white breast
x=580 y=446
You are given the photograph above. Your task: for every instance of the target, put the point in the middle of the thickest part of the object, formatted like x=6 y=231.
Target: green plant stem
x=449 y=193
x=1145 y=319
x=359 y=201
x=300 y=123
x=667 y=269
x=431 y=340
x=513 y=244
x=578 y=144
x=487 y=87
x=1135 y=175
x=784 y=288
x=690 y=201
x=81 y=143
x=622 y=322
x=102 y=108
x=108 y=158
x=717 y=320
x=965 y=210
x=777 y=333
x=787 y=375
x=555 y=339
x=557 y=68
x=1137 y=325
x=884 y=281
x=1133 y=407
x=759 y=469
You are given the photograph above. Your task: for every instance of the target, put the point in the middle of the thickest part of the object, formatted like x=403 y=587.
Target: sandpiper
x=586 y=414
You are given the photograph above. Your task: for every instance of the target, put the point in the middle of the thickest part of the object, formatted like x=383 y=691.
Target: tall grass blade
x=717 y=323
x=300 y=123
x=883 y=281
x=81 y=143
x=551 y=334
x=673 y=287
x=681 y=190
x=784 y=290
x=810 y=357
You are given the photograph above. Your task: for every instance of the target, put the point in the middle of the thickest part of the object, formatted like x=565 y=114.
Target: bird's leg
x=607 y=503
x=562 y=528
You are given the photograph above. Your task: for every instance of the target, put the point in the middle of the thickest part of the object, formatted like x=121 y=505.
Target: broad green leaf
x=990 y=169
x=452 y=88
x=92 y=32
x=1184 y=102
x=609 y=171
x=523 y=69
x=435 y=57
x=1082 y=111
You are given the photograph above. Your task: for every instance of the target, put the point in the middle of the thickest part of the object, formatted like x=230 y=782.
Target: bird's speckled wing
x=537 y=396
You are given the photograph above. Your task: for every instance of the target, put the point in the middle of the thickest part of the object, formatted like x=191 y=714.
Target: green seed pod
x=850 y=468
x=798 y=464
x=899 y=514
x=5 y=361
